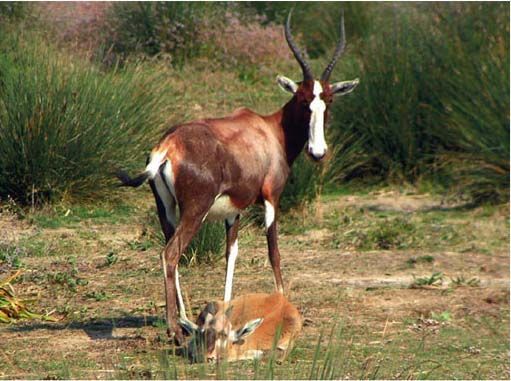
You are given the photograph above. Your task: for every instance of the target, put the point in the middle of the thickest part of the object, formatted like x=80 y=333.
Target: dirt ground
x=110 y=324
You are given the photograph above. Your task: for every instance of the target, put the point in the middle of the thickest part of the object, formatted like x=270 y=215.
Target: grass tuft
x=65 y=126
x=11 y=307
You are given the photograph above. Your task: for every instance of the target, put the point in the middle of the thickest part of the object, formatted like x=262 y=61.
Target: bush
x=155 y=28
x=65 y=126
x=247 y=46
x=12 y=11
x=434 y=95
x=475 y=100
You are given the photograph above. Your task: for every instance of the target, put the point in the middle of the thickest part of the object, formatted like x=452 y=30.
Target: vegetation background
x=86 y=88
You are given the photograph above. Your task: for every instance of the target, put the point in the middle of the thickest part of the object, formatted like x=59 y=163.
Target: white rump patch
x=155 y=162
x=233 y=253
x=222 y=209
x=269 y=214
x=168 y=177
x=317 y=144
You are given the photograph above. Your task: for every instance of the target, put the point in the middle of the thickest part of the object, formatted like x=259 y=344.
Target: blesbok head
x=313 y=97
x=214 y=338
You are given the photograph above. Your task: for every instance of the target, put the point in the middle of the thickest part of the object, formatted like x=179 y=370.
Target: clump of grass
x=12 y=308
x=411 y=262
x=207 y=246
x=461 y=281
x=391 y=233
x=10 y=256
x=435 y=279
x=68 y=278
x=65 y=126
x=303 y=184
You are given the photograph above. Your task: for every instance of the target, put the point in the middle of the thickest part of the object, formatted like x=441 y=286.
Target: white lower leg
x=233 y=253
x=182 y=310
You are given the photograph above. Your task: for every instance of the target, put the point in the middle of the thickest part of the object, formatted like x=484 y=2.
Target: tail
x=154 y=161
x=127 y=181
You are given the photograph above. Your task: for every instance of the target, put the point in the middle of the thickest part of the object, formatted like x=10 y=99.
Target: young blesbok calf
x=244 y=328
x=215 y=168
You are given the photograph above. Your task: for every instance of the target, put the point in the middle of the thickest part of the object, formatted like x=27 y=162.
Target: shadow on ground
x=96 y=329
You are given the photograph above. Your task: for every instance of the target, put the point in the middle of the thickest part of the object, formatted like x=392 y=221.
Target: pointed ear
x=188 y=326
x=287 y=84
x=345 y=87
x=247 y=329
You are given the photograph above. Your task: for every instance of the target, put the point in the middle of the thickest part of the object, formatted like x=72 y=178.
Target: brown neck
x=293 y=129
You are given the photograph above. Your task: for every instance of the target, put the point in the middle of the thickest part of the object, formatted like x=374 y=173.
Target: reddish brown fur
x=280 y=317
x=245 y=157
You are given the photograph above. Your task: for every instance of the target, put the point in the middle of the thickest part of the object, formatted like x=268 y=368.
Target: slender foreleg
x=231 y=252
x=270 y=220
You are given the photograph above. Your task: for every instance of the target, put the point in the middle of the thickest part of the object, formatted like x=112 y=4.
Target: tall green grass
x=207 y=246
x=475 y=100
x=434 y=95
x=65 y=126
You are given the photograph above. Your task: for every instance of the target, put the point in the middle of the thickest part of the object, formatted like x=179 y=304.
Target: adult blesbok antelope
x=244 y=328
x=215 y=168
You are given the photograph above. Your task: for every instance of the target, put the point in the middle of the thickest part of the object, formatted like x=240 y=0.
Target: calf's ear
x=247 y=329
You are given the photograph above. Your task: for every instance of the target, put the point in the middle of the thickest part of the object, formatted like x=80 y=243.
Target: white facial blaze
x=317 y=145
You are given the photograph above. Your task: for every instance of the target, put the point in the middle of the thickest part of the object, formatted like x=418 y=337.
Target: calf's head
x=213 y=337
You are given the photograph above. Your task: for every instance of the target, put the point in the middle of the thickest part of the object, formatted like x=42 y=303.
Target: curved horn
x=307 y=72
x=338 y=52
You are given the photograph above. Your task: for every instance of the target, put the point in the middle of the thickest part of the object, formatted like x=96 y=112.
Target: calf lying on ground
x=244 y=328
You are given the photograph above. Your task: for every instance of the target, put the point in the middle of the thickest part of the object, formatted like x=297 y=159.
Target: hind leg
x=166 y=206
x=191 y=220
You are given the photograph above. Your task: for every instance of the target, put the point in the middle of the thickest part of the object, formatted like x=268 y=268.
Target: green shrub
x=475 y=100
x=65 y=126
x=152 y=28
x=389 y=109
x=434 y=96
x=12 y=11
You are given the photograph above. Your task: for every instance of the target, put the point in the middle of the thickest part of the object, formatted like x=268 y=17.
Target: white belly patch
x=222 y=209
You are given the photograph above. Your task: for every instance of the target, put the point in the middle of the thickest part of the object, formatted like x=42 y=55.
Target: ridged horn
x=307 y=72
x=338 y=52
